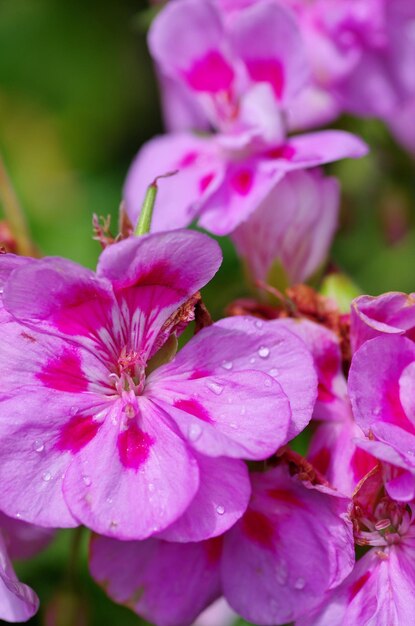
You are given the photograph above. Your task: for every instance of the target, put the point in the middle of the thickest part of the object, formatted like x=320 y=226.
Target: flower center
x=385 y=525
x=129 y=376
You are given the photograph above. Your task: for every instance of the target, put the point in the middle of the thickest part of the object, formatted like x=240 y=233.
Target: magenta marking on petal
x=194 y=408
x=358 y=584
x=267 y=71
x=79 y=312
x=321 y=460
x=160 y=273
x=213 y=548
x=64 y=373
x=199 y=374
x=242 y=182
x=392 y=410
x=259 y=528
x=286 y=152
x=362 y=462
x=188 y=160
x=77 y=433
x=205 y=182
x=285 y=496
x=211 y=73
x=134 y=447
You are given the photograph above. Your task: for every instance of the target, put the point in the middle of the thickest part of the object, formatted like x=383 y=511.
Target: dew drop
x=113 y=524
x=151 y=487
x=220 y=510
x=234 y=426
x=18 y=515
x=264 y=352
x=195 y=431
x=38 y=445
x=46 y=476
x=259 y=324
x=109 y=500
x=376 y=410
x=227 y=365
x=268 y=383
x=87 y=480
x=274 y=372
x=215 y=388
x=281 y=573
x=299 y=583
x=252 y=361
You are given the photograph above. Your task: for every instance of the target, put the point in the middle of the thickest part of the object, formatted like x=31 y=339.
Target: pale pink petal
x=18 y=602
x=218 y=614
x=267 y=39
x=23 y=540
x=290 y=547
x=131 y=483
x=166 y=583
x=222 y=498
x=390 y=313
x=180 y=196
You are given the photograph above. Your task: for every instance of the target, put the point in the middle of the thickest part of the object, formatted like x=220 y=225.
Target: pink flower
x=379 y=591
x=276 y=563
x=18 y=540
x=91 y=433
x=246 y=74
x=391 y=313
x=292 y=229
x=381 y=383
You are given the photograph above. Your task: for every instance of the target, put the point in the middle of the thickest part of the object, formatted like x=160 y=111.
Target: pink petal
x=166 y=583
x=180 y=197
x=221 y=500
x=192 y=30
x=23 y=540
x=267 y=39
x=132 y=488
x=18 y=602
x=291 y=546
x=390 y=313
x=230 y=407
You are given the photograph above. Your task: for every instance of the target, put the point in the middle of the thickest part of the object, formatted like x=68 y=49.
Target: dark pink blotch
x=194 y=408
x=242 y=182
x=205 y=182
x=267 y=71
x=211 y=73
x=258 y=528
x=358 y=585
x=134 y=447
x=79 y=431
x=64 y=372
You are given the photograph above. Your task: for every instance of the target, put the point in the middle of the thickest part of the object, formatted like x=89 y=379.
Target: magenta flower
x=276 y=563
x=391 y=313
x=380 y=589
x=293 y=228
x=91 y=433
x=246 y=74
x=381 y=383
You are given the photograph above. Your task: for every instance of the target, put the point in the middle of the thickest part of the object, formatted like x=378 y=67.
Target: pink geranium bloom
x=246 y=75
x=93 y=432
x=18 y=540
x=333 y=448
x=277 y=562
x=391 y=313
x=381 y=383
x=380 y=590
x=293 y=228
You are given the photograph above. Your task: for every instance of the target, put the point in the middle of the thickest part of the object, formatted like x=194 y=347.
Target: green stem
x=144 y=222
x=14 y=214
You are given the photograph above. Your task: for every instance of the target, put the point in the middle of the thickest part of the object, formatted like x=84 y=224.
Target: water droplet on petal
x=195 y=431
x=109 y=500
x=274 y=372
x=113 y=524
x=227 y=365
x=299 y=583
x=18 y=515
x=259 y=324
x=264 y=352
x=151 y=487
x=281 y=573
x=38 y=445
x=234 y=426
x=252 y=361
x=243 y=410
x=87 y=480
x=268 y=382
x=220 y=510
x=46 y=476
x=376 y=410
x=215 y=388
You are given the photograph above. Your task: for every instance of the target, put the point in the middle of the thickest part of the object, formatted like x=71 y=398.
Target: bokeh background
x=77 y=99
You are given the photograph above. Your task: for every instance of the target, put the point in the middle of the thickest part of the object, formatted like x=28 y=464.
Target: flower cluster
x=186 y=457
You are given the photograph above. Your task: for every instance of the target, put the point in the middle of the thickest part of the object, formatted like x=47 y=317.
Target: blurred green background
x=77 y=99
